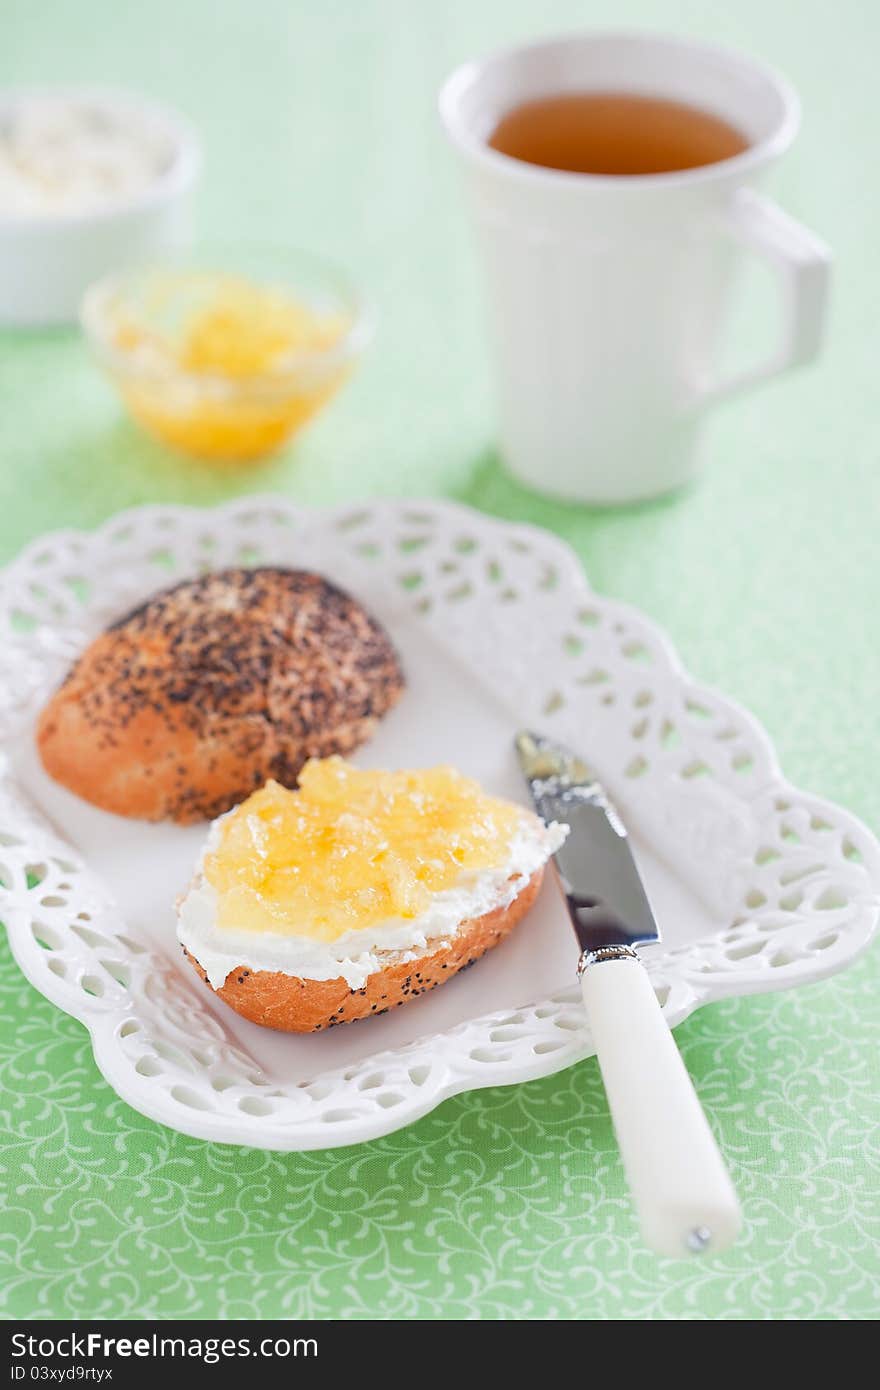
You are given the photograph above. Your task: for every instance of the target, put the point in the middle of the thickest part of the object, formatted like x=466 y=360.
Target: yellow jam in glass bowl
x=221 y=363
x=351 y=848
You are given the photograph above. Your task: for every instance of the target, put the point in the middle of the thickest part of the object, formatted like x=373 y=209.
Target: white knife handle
x=679 y=1182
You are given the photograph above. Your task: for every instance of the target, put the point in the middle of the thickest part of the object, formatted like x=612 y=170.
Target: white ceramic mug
x=607 y=294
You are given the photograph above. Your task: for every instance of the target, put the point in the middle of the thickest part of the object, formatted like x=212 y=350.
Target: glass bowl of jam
x=227 y=356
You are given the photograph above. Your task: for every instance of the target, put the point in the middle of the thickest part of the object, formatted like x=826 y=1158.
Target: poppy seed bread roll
x=187 y=704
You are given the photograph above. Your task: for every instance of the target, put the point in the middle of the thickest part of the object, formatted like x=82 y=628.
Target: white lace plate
x=757 y=886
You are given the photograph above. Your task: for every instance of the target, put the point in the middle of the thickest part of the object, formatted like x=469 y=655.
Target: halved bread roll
x=296 y=1005
x=357 y=892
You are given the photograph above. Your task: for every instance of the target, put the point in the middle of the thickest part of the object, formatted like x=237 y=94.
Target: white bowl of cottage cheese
x=91 y=180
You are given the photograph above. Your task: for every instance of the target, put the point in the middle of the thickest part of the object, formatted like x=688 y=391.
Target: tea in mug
x=615 y=133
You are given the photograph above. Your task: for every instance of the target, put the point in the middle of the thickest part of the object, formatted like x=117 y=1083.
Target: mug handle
x=803 y=265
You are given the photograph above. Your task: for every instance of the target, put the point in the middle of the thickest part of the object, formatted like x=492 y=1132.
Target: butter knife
x=679 y=1182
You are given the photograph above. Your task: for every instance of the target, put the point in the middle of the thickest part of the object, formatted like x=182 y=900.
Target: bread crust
x=191 y=702
x=295 y=1005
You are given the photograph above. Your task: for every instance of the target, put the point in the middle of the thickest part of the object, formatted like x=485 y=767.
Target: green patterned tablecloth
x=319 y=126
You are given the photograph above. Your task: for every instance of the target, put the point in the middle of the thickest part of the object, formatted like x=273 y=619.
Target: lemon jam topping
x=351 y=848
x=222 y=366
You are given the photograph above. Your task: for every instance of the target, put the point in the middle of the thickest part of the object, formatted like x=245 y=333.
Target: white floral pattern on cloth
x=504 y=1202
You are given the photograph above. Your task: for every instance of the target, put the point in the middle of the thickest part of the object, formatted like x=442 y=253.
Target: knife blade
x=678 y=1178
x=604 y=893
